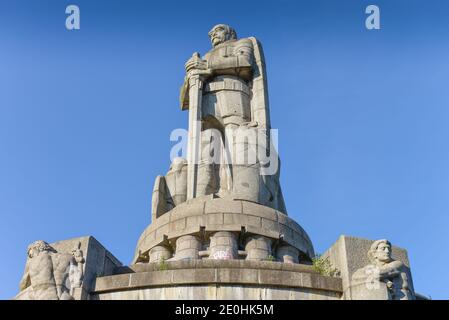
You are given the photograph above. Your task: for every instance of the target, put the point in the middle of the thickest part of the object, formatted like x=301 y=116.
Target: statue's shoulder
x=247 y=42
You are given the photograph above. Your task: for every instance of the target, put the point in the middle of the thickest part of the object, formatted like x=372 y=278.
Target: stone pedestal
x=217 y=280
x=249 y=230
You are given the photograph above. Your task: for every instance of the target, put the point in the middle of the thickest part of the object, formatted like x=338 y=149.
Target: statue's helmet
x=221 y=33
x=380 y=250
x=39 y=246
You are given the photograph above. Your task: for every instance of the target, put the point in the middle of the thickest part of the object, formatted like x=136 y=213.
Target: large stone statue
x=226 y=92
x=383 y=275
x=224 y=201
x=52 y=275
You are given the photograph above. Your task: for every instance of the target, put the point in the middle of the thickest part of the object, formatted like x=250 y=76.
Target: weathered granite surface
x=217 y=279
x=204 y=216
x=220 y=292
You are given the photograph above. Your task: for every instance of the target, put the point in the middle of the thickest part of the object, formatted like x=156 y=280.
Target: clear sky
x=363 y=119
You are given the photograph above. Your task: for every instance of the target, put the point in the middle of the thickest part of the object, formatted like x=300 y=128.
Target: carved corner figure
x=170 y=190
x=76 y=273
x=384 y=278
x=51 y=275
x=226 y=91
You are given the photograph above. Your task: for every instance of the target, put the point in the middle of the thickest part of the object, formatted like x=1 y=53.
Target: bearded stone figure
x=51 y=275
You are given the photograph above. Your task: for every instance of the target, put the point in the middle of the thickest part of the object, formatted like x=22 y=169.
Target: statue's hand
x=195 y=63
x=199 y=65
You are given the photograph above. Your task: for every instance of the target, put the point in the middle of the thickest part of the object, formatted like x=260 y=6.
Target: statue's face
x=218 y=35
x=383 y=252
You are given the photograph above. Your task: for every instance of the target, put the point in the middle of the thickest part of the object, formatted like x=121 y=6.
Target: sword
x=195 y=83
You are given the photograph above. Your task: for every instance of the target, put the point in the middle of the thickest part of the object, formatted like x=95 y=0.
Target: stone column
x=160 y=253
x=287 y=254
x=258 y=248
x=187 y=247
x=223 y=246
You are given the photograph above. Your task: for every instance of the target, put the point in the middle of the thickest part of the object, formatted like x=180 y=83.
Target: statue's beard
x=384 y=259
x=216 y=41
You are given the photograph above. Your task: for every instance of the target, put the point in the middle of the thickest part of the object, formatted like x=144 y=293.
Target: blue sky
x=85 y=119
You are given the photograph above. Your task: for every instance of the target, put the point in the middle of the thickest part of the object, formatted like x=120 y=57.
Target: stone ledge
x=210 y=263
x=260 y=277
x=238 y=272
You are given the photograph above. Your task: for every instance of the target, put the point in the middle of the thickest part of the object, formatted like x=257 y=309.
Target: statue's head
x=221 y=33
x=380 y=252
x=37 y=247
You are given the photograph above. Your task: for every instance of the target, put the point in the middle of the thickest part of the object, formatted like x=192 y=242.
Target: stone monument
x=221 y=207
x=219 y=227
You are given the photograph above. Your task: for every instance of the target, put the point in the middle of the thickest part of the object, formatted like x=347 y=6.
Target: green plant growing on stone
x=162 y=265
x=271 y=258
x=323 y=266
